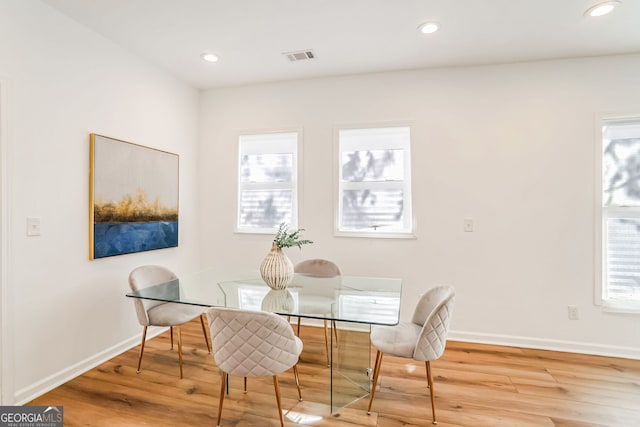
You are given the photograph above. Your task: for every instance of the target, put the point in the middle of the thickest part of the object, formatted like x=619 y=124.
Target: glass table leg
x=350 y=363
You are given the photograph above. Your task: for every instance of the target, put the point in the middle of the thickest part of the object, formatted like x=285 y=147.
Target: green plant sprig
x=284 y=239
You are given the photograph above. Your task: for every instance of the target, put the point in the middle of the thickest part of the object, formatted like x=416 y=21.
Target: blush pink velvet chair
x=422 y=339
x=320 y=268
x=251 y=343
x=159 y=313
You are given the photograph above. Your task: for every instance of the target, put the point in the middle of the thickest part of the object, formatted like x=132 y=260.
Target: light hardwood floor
x=476 y=385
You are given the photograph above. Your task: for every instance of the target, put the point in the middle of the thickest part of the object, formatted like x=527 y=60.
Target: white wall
x=511 y=146
x=63 y=82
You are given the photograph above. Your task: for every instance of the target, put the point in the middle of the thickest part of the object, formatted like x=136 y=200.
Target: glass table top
x=371 y=300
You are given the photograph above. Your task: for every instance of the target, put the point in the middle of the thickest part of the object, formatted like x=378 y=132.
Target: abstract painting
x=133 y=198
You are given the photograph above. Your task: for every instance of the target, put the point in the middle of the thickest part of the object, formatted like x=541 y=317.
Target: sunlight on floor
x=303 y=419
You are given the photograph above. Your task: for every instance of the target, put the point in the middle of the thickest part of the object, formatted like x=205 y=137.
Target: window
x=375 y=182
x=620 y=281
x=267 y=181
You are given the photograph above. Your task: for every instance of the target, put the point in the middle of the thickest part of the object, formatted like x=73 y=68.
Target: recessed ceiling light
x=428 y=27
x=209 y=57
x=601 y=9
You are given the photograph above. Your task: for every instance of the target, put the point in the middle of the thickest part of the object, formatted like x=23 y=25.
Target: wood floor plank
x=538 y=405
x=476 y=385
x=576 y=393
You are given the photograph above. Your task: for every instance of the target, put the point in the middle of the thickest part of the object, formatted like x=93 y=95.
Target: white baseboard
x=525 y=342
x=35 y=390
x=547 y=344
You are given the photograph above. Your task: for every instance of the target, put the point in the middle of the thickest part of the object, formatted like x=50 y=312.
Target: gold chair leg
x=144 y=337
x=297 y=377
x=206 y=334
x=335 y=330
x=326 y=341
x=179 y=348
x=245 y=385
x=431 y=391
x=171 y=332
x=223 y=381
x=376 y=372
x=298 y=329
x=277 y=388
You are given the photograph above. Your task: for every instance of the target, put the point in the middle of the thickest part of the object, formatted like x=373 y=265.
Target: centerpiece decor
x=276 y=268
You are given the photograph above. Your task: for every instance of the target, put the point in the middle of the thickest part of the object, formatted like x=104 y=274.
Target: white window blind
x=375 y=181
x=621 y=212
x=267 y=181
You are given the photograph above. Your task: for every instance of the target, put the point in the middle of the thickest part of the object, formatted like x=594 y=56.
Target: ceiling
x=349 y=36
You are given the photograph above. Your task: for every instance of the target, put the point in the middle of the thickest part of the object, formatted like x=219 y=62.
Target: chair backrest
x=145 y=276
x=251 y=343
x=317 y=268
x=433 y=312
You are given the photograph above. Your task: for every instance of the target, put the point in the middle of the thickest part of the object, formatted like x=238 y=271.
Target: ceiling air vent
x=299 y=55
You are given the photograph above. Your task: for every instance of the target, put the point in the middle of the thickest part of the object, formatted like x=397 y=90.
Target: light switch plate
x=33 y=226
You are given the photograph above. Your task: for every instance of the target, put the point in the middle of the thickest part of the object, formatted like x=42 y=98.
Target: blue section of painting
x=128 y=237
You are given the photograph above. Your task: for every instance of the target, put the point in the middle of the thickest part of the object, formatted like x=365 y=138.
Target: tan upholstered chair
x=321 y=268
x=159 y=313
x=423 y=339
x=250 y=343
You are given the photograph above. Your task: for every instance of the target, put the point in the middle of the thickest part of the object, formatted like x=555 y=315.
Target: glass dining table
x=352 y=304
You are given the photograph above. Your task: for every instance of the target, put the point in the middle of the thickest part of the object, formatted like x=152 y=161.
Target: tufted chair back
x=433 y=313
x=252 y=343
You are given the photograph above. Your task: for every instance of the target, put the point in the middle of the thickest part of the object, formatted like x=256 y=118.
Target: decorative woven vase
x=276 y=268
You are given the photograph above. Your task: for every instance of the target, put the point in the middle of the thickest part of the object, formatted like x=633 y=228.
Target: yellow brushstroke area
x=133 y=208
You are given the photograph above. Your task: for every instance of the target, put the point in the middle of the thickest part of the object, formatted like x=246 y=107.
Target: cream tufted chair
x=250 y=343
x=320 y=268
x=423 y=339
x=159 y=313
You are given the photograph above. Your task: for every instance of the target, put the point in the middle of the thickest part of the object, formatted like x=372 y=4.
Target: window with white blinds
x=620 y=285
x=375 y=182
x=267 y=181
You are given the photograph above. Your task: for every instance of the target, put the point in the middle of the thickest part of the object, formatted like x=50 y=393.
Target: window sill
x=256 y=231
x=376 y=235
x=631 y=307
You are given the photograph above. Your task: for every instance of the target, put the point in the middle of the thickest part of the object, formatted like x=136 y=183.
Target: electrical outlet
x=468 y=225
x=572 y=311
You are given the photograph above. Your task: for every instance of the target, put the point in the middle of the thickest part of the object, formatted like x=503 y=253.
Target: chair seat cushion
x=399 y=340
x=173 y=314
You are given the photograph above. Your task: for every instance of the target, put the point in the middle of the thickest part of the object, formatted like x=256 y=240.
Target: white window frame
x=293 y=185
x=339 y=185
x=603 y=213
